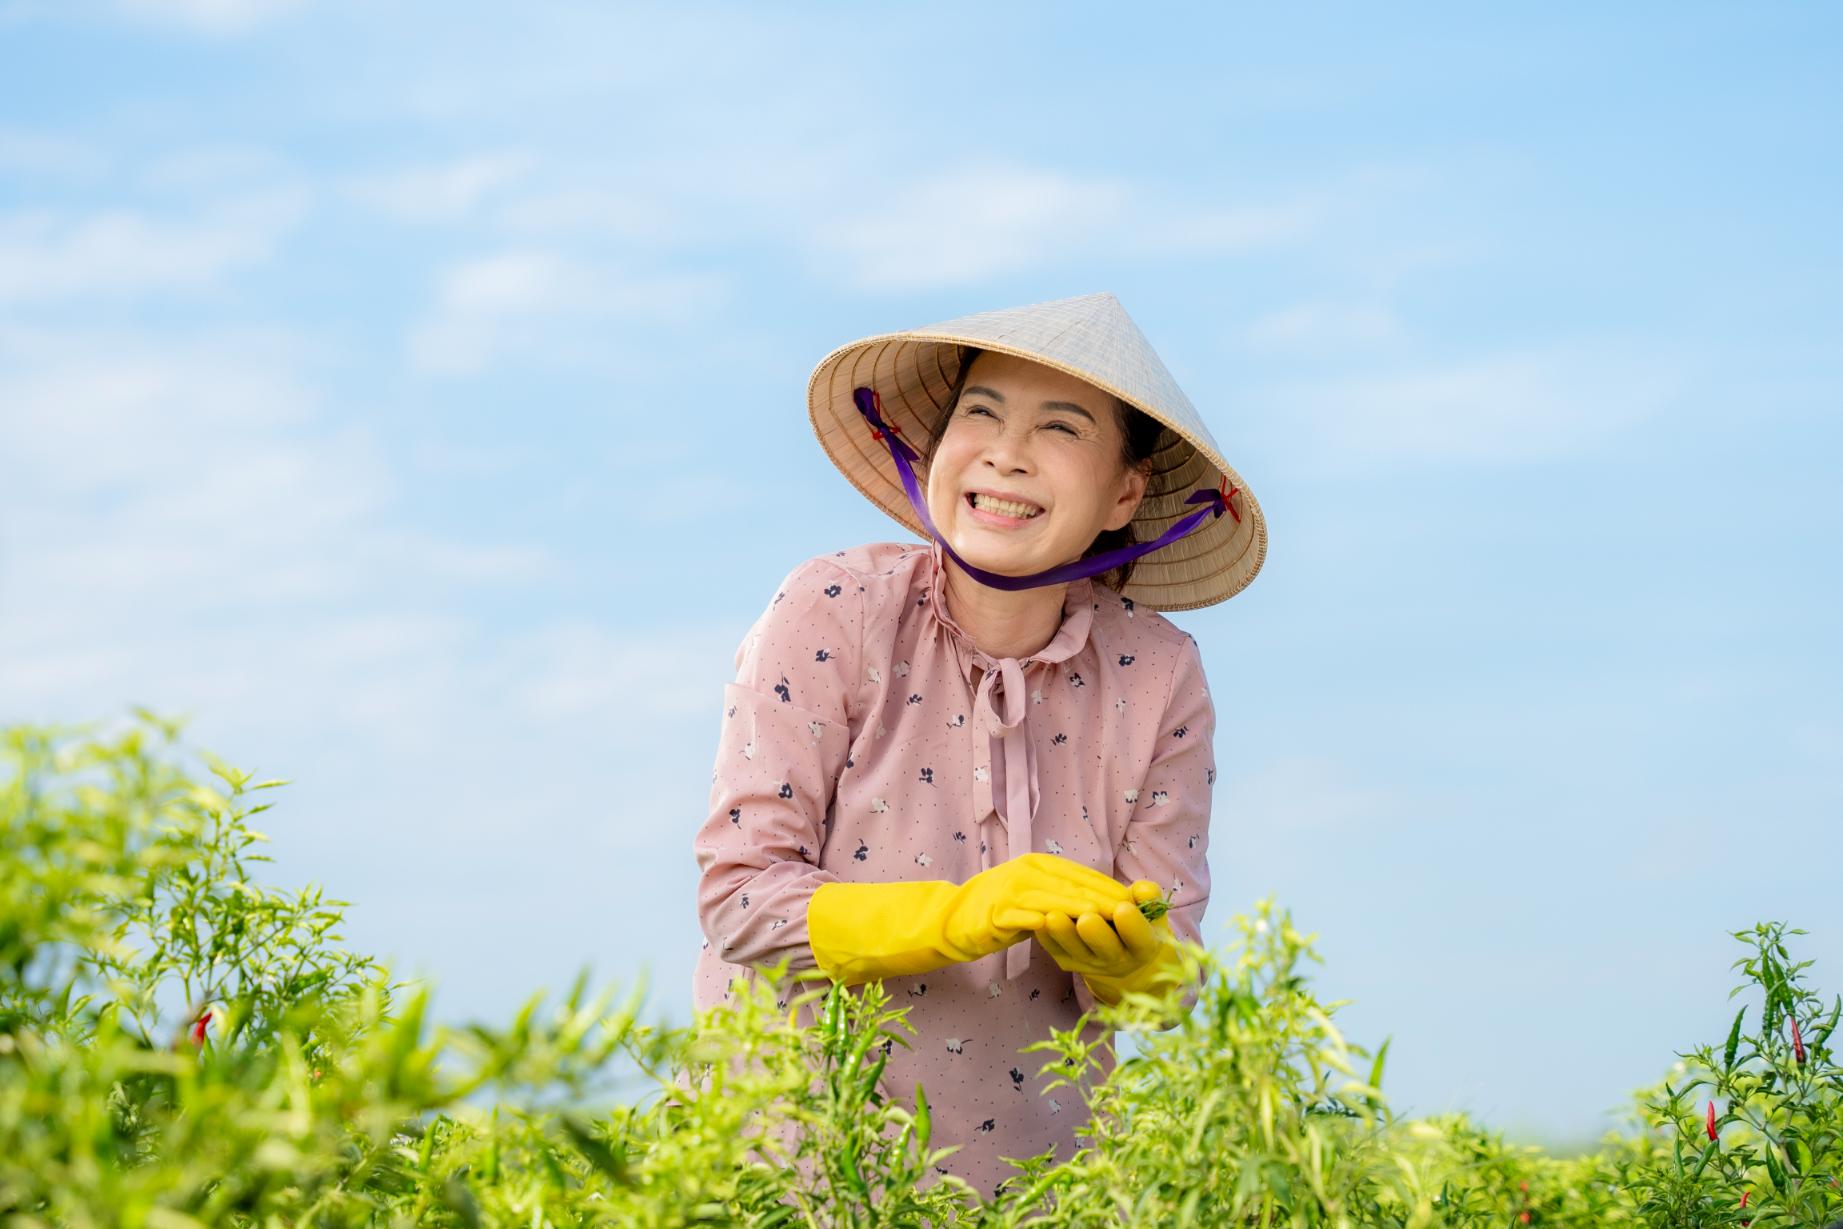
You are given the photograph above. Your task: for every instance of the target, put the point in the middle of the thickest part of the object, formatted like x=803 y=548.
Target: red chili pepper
x=1712 y=1134
x=1798 y=1042
x=1523 y=1216
x=198 y=1030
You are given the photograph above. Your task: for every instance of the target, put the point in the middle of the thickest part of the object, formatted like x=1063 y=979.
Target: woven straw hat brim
x=1092 y=339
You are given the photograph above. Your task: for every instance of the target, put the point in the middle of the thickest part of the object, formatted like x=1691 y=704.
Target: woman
x=937 y=759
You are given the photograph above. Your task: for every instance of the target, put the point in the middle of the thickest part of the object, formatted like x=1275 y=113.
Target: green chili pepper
x=1155 y=909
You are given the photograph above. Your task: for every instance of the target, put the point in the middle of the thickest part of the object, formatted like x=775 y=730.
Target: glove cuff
x=862 y=932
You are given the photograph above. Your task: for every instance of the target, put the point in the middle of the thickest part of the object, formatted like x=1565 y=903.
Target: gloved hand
x=1132 y=954
x=860 y=932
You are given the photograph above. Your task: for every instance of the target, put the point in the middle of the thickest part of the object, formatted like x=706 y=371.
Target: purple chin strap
x=871 y=406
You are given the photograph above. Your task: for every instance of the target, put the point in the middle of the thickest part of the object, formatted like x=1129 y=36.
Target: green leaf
x=461 y=1200
x=597 y=1152
x=1375 y=1069
x=1823 y=1034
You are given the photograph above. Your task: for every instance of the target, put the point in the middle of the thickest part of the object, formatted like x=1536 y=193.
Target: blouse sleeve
x=1167 y=838
x=782 y=744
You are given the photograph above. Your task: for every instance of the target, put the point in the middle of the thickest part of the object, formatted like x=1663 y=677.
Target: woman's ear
x=1127 y=506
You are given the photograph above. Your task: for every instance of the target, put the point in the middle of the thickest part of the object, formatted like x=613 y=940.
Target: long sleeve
x=784 y=739
x=1167 y=838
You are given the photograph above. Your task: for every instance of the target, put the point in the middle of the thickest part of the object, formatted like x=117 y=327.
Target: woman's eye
x=1066 y=427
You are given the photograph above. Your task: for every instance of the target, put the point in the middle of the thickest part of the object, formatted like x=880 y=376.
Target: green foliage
x=180 y=1046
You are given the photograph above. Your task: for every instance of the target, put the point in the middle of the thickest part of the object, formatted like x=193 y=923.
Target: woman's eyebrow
x=1059 y=407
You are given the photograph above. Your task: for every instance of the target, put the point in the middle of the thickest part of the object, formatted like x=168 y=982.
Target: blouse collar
x=1070 y=638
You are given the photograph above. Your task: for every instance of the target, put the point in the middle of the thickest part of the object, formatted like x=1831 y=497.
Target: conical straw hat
x=1093 y=339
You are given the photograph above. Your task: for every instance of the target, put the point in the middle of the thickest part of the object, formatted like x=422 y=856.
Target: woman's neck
x=1004 y=622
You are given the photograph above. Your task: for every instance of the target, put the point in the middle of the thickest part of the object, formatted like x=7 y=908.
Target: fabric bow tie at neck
x=870 y=405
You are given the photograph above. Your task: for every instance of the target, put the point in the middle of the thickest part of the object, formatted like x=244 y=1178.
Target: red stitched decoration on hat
x=1226 y=491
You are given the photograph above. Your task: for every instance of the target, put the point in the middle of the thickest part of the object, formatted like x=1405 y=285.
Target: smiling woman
x=1138 y=437
x=960 y=766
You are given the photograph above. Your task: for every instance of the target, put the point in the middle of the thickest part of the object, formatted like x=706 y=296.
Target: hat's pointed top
x=1089 y=336
x=1086 y=315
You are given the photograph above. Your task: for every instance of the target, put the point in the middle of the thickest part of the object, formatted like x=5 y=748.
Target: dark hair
x=1139 y=437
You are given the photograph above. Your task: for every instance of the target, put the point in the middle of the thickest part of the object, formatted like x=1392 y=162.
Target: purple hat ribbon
x=870 y=405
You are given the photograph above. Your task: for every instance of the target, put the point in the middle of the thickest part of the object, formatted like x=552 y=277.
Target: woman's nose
x=1009 y=449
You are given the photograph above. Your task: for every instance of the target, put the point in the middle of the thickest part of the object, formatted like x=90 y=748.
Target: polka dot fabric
x=865 y=739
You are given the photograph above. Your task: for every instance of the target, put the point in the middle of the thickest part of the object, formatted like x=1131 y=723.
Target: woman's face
x=1036 y=435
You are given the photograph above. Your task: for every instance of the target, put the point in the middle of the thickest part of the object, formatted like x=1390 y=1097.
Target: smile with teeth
x=1003 y=507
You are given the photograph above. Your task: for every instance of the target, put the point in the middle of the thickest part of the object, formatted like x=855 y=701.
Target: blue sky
x=414 y=394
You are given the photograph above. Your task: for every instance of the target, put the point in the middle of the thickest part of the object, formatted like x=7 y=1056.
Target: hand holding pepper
x=1090 y=946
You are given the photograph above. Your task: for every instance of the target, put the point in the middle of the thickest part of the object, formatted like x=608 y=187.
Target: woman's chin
x=988 y=556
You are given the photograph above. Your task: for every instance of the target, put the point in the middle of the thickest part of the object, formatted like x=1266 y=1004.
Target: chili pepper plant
x=182 y=1046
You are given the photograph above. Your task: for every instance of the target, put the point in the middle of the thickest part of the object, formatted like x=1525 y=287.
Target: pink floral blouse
x=855 y=746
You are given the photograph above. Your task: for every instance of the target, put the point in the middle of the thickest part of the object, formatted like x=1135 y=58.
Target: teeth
x=986 y=503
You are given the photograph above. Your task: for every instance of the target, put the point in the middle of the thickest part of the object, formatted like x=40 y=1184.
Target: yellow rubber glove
x=1132 y=954
x=861 y=932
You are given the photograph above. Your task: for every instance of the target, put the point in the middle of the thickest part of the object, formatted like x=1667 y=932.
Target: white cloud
x=215 y=17
x=988 y=219
x=627 y=212
x=184 y=529
x=970 y=225
x=133 y=408
x=185 y=477
x=537 y=305
x=221 y=169
x=1321 y=328
x=27 y=153
x=441 y=191
x=1515 y=406
x=449 y=458
x=46 y=255
x=1178 y=229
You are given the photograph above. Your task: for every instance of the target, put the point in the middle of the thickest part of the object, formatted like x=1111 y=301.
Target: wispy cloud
x=207 y=483
x=188 y=526
x=988 y=219
x=216 y=17
x=442 y=191
x=623 y=211
x=1175 y=227
x=45 y=254
x=220 y=170
x=538 y=305
x=970 y=225
x=1323 y=327
x=1510 y=406
x=26 y=153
